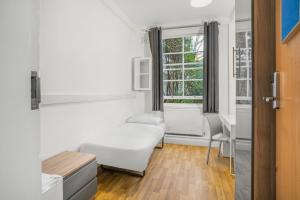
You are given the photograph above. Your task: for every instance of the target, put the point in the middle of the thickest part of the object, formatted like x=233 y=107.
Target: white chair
x=217 y=133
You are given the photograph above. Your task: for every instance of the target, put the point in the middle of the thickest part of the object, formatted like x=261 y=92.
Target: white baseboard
x=203 y=141
x=244 y=145
x=188 y=140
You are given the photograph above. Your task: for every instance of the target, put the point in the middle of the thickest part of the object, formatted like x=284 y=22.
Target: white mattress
x=52 y=187
x=128 y=147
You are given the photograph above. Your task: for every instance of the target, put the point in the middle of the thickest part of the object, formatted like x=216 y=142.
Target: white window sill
x=183 y=106
x=243 y=106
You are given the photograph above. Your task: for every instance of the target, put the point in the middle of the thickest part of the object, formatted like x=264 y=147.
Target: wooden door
x=288 y=116
x=263 y=170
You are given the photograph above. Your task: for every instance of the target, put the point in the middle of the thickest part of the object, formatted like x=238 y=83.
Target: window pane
x=172 y=45
x=241 y=72
x=250 y=72
x=193 y=65
x=243 y=101
x=144 y=81
x=250 y=88
x=241 y=40
x=193 y=57
x=172 y=59
x=241 y=64
x=250 y=54
x=193 y=43
x=249 y=37
x=173 y=88
x=193 y=74
x=244 y=54
x=172 y=66
x=173 y=75
x=241 y=88
x=193 y=88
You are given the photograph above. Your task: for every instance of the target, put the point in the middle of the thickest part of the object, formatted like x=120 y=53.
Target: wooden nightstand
x=79 y=172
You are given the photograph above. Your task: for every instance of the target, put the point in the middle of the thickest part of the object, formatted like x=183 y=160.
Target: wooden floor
x=175 y=172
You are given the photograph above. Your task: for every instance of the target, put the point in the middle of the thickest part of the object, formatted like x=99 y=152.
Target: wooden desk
x=79 y=171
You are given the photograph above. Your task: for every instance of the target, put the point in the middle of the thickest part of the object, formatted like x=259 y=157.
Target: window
x=183 y=69
x=243 y=59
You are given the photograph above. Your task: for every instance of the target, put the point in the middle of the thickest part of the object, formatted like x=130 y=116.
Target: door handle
x=35 y=90
x=275 y=92
x=269 y=99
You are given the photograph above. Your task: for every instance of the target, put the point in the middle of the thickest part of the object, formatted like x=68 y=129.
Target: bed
x=129 y=147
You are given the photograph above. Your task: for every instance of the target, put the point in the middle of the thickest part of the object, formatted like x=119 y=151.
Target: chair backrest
x=215 y=124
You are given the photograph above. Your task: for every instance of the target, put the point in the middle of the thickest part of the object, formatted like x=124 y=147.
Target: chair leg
x=220 y=145
x=234 y=155
x=208 y=152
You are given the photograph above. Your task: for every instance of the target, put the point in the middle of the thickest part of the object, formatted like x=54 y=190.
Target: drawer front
x=76 y=181
x=87 y=192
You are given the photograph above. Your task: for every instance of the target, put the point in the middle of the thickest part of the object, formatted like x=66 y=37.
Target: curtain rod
x=179 y=27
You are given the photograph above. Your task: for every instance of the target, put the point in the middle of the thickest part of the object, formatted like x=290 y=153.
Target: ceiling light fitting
x=200 y=3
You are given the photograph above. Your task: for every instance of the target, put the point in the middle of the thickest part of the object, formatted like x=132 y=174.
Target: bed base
x=125 y=171
x=130 y=172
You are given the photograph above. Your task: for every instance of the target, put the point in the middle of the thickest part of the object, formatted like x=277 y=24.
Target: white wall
x=224 y=54
x=231 y=77
x=243 y=9
x=20 y=173
x=85 y=49
x=244 y=119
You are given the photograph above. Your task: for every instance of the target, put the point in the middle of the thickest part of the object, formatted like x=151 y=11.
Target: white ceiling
x=157 y=12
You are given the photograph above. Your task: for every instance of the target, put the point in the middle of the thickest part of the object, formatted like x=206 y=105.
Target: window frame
x=182 y=68
x=248 y=67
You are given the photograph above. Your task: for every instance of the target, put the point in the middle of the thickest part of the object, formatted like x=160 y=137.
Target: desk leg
x=230 y=154
x=232 y=172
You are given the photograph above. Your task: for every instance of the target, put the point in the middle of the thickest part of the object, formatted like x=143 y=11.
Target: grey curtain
x=157 y=71
x=211 y=68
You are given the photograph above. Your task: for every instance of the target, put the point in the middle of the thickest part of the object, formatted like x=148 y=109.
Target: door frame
x=263 y=116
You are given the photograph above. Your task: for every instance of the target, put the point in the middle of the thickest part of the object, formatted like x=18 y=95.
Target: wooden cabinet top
x=66 y=163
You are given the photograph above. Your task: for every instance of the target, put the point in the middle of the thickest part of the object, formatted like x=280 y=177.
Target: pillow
x=145 y=119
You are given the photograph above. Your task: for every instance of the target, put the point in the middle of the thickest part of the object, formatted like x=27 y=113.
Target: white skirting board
x=244 y=145
x=202 y=141
x=52 y=99
x=188 y=140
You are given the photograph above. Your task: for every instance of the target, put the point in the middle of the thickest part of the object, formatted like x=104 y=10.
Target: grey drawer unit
x=79 y=171
x=79 y=180
x=87 y=192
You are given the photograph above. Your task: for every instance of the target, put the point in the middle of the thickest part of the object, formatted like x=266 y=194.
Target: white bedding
x=128 y=147
x=146 y=118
